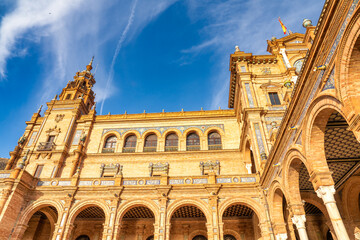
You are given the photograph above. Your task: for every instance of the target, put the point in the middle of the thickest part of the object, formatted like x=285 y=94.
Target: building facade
x=282 y=163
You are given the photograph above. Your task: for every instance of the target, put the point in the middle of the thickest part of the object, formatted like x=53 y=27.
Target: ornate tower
x=51 y=142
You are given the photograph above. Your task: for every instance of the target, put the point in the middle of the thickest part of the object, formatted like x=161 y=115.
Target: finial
x=237 y=49
x=307 y=23
x=89 y=67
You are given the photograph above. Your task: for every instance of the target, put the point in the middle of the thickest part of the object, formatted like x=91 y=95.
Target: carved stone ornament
x=59 y=117
x=299 y=221
x=158 y=169
x=53 y=131
x=5 y=193
x=326 y=193
x=209 y=166
x=111 y=170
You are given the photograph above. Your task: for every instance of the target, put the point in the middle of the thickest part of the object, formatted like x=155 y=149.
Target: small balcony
x=108 y=150
x=149 y=149
x=171 y=148
x=193 y=148
x=215 y=147
x=46 y=146
x=128 y=150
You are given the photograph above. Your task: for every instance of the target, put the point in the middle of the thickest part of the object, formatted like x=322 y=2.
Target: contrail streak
x=117 y=50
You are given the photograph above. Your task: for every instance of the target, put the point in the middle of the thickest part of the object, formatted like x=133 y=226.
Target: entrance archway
x=41 y=224
x=83 y=237
x=89 y=223
x=188 y=222
x=199 y=237
x=137 y=223
x=242 y=220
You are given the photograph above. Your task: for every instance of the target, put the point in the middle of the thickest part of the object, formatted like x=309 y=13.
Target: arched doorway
x=150 y=238
x=137 y=223
x=199 y=237
x=187 y=221
x=83 y=237
x=89 y=223
x=229 y=237
x=41 y=224
x=243 y=220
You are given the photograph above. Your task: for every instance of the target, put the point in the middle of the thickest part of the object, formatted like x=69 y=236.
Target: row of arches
x=317 y=175
x=171 y=142
x=187 y=219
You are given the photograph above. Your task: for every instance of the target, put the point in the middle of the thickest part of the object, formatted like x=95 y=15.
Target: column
x=264 y=227
x=213 y=202
x=161 y=230
x=281 y=236
x=299 y=221
x=326 y=193
x=61 y=230
x=248 y=167
x=109 y=226
x=286 y=59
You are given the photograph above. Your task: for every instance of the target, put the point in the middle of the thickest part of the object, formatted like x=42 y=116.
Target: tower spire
x=89 y=67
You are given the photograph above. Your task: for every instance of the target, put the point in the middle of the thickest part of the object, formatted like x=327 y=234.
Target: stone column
x=213 y=202
x=67 y=232
x=248 y=167
x=167 y=231
x=299 y=221
x=281 y=236
x=61 y=229
x=110 y=225
x=326 y=193
x=264 y=227
x=286 y=59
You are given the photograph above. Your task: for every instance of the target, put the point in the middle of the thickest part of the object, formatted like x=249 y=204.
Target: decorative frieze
x=158 y=169
x=209 y=167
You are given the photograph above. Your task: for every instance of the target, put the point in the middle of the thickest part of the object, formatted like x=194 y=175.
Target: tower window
x=68 y=96
x=171 y=142
x=38 y=171
x=274 y=98
x=150 y=143
x=130 y=144
x=192 y=142
x=214 y=141
x=110 y=144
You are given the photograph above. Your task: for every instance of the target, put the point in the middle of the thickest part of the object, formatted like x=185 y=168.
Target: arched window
x=150 y=143
x=192 y=142
x=171 y=142
x=130 y=144
x=214 y=141
x=110 y=144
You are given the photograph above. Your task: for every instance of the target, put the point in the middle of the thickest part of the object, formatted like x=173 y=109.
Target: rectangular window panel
x=274 y=98
x=32 y=138
x=243 y=68
x=77 y=137
x=249 y=95
x=38 y=171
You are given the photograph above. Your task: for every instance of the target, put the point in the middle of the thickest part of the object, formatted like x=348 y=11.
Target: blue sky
x=149 y=54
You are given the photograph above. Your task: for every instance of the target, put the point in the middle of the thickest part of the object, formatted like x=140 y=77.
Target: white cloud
x=26 y=17
x=68 y=34
x=247 y=24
